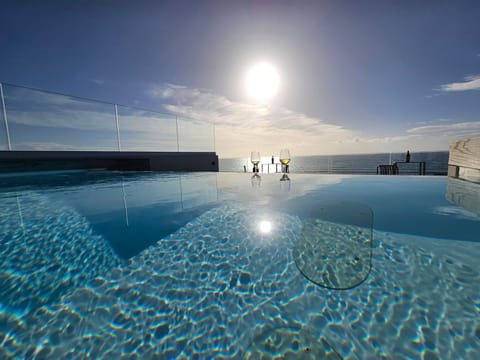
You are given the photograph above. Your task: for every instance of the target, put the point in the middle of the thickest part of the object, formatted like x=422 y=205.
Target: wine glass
x=285 y=159
x=255 y=159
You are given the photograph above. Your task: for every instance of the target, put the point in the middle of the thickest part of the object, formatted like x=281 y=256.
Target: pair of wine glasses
x=284 y=159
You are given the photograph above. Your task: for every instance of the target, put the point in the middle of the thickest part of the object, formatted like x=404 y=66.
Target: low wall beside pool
x=17 y=161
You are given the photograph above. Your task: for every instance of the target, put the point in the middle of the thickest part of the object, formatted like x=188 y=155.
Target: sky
x=355 y=76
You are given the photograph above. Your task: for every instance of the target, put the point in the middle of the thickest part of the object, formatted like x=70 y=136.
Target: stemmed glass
x=285 y=159
x=255 y=159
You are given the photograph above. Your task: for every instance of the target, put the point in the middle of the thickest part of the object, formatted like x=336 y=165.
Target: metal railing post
x=118 y=128
x=214 y=140
x=176 y=125
x=5 y=118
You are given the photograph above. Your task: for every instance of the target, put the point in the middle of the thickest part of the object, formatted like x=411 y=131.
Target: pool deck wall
x=16 y=161
x=464 y=159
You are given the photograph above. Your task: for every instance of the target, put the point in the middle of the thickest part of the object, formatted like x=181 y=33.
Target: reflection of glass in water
x=285 y=183
x=256 y=180
x=285 y=156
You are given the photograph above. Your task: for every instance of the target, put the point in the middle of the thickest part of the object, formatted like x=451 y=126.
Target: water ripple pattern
x=46 y=249
x=290 y=343
x=217 y=287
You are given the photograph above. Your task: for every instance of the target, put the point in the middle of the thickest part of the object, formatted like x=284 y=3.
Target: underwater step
x=334 y=249
x=290 y=343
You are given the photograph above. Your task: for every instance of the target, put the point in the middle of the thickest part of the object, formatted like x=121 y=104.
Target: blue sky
x=356 y=76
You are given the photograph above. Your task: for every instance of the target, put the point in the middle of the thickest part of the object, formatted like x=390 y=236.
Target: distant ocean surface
x=436 y=163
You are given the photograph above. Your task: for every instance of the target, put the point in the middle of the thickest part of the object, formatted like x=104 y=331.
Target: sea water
x=436 y=163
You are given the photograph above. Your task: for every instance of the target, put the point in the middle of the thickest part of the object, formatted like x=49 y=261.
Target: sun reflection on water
x=265 y=226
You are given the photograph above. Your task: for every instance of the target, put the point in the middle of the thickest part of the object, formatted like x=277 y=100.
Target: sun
x=262 y=81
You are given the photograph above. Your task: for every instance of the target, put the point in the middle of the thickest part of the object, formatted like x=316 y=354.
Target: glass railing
x=143 y=130
x=33 y=119
x=436 y=163
x=195 y=135
x=4 y=138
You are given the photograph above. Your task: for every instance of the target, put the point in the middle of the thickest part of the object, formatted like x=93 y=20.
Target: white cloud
x=98 y=81
x=455 y=130
x=432 y=121
x=43 y=109
x=470 y=83
x=241 y=126
x=57 y=146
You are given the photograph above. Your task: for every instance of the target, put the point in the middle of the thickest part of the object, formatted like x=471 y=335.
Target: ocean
x=436 y=163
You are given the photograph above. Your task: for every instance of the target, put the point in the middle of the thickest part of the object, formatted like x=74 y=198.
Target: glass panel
x=195 y=135
x=41 y=120
x=334 y=249
x=142 y=130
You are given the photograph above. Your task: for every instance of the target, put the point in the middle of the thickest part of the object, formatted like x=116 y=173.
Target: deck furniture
x=464 y=159
x=268 y=165
x=387 y=169
x=402 y=167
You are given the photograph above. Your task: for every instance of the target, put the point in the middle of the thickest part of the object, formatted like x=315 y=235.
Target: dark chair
x=387 y=169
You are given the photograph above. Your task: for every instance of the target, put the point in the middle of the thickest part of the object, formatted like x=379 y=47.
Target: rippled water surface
x=170 y=266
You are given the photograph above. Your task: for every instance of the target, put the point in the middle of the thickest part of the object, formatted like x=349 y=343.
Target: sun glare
x=262 y=81
x=265 y=226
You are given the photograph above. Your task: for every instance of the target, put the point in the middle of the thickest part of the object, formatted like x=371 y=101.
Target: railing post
x=5 y=118
x=176 y=125
x=118 y=128
x=214 y=140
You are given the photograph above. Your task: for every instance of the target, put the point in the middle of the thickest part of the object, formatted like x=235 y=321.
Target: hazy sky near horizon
x=355 y=76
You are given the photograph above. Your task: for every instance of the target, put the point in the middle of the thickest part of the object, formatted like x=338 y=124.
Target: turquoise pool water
x=185 y=266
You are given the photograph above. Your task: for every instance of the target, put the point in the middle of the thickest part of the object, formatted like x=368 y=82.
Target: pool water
x=204 y=265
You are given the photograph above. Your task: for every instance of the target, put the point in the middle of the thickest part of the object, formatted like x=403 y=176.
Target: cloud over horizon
x=242 y=127
x=239 y=127
x=470 y=83
x=457 y=129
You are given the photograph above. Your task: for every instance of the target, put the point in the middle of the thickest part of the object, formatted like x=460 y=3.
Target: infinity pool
x=230 y=266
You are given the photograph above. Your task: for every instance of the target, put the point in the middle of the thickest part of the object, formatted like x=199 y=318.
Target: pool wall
x=14 y=161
